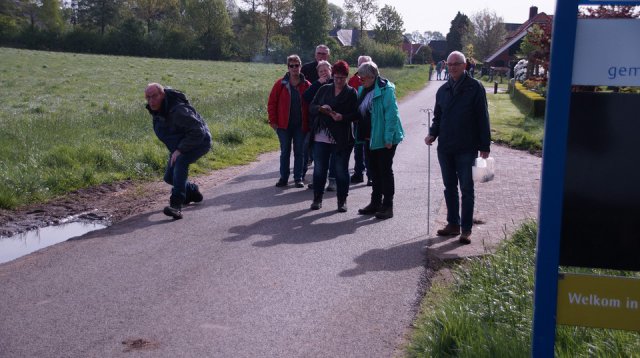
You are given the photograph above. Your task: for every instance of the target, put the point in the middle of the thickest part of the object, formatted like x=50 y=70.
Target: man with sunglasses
x=461 y=124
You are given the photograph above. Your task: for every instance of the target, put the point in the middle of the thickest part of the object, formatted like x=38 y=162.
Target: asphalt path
x=249 y=272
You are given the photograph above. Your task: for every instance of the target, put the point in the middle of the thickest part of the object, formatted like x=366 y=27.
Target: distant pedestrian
x=472 y=70
x=289 y=117
x=185 y=134
x=379 y=126
x=439 y=71
x=359 y=157
x=461 y=124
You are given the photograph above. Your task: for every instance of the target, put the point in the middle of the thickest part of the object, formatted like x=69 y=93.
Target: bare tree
x=488 y=33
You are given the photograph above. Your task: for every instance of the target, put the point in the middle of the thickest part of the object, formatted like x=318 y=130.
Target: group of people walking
x=319 y=101
x=324 y=115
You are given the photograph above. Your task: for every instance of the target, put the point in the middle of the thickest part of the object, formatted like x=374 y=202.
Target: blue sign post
x=553 y=172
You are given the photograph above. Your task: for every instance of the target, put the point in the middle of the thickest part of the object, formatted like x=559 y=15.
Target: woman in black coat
x=332 y=110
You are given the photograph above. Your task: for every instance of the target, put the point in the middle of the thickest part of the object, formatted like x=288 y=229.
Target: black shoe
x=299 y=184
x=281 y=183
x=386 y=212
x=310 y=186
x=342 y=205
x=175 y=213
x=369 y=182
x=317 y=202
x=194 y=196
x=356 y=179
x=370 y=209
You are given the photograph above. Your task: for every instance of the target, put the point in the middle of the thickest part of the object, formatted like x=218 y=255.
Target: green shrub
x=382 y=54
x=531 y=103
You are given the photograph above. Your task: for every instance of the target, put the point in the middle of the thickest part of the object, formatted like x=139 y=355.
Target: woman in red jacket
x=289 y=117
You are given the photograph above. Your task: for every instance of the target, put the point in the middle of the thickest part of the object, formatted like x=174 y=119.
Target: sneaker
x=465 y=237
x=299 y=184
x=449 y=230
x=332 y=185
x=281 y=183
x=175 y=213
x=356 y=179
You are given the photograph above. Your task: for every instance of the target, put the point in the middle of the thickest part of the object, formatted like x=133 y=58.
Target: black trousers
x=381 y=166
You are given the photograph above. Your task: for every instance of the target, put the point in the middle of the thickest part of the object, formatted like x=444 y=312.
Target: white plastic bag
x=483 y=170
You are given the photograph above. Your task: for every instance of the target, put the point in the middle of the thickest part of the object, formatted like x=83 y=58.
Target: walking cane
x=429 y=112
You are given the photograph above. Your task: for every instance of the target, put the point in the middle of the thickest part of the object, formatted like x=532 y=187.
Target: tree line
x=250 y=30
x=253 y=30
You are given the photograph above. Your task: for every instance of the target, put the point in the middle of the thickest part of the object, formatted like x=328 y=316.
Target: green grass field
x=509 y=125
x=70 y=121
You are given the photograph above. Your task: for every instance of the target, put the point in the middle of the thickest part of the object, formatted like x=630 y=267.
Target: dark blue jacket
x=461 y=117
x=178 y=125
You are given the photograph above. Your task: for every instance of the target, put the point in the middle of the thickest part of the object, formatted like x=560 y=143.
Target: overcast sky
x=436 y=15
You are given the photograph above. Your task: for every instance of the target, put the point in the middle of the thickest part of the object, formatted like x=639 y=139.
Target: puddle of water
x=22 y=244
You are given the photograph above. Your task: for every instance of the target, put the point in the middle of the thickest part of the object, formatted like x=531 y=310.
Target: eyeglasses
x=294 y=65
x=455 y=64
x=322 y=53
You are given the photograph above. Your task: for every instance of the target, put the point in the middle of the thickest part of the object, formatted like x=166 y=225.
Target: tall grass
x=487 y=312
x=69 y=121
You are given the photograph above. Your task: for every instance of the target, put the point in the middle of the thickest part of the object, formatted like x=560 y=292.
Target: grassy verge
x=487 y=312
x=502 y=85
x=69 y=121
x=509 y=125
x=407 y=79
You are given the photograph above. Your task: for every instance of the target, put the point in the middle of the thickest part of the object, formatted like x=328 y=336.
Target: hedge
x=530 y=102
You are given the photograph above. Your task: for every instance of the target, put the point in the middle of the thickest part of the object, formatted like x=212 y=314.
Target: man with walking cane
x=461 y=124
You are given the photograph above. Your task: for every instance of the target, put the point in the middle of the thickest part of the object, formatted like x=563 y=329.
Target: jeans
x=358 y=157
x=307 y=154
x=332 y=166
x=321 y=154
x=457 y=168
x=286 y=136
x=381 y=167
x=177 y=174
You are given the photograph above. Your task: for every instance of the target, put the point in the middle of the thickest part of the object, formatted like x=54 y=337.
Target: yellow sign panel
x=599 y=301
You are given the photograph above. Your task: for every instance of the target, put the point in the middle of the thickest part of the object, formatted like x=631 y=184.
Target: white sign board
x=607 y=52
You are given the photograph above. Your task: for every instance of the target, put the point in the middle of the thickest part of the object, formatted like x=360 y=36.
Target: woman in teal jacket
x=380 y=128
